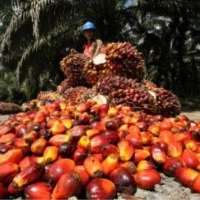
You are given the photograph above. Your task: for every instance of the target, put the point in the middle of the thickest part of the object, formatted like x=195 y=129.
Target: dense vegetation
x=34 y=40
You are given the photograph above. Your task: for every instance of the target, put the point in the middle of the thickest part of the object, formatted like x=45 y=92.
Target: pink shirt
x=88 y=50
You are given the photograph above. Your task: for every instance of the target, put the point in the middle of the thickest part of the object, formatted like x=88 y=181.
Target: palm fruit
x=72 y=66
x=122 y=59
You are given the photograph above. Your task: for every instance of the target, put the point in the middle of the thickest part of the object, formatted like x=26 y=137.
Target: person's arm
x=97 y=45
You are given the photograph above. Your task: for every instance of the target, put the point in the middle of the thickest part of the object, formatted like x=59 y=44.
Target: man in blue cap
x=92 y=45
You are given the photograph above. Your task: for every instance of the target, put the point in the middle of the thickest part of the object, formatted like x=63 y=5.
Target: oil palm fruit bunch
x=7 y=108
x=122 y=59
x=72 y=66
x=166 y=102
x=144 y=96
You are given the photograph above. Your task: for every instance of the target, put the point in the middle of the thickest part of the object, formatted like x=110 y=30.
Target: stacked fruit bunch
x=144 y=96
x=122 y=59
x=94 y=151
x=72 y=67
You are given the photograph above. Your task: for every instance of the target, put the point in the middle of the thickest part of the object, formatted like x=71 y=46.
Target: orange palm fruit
x=190 y=159
x=84 y=176
x=182 y=136
x=38 y=190
x=166 y=136
x=58 y=128
x=12 y=155
x=100 y=188
x=191 y=145
x=134 y=130
x=195 y=184
x=144 y=164
x=77 y=131
x=166 y=124
x=174 y=149
x=157 y=154
x=59 y=139
x=38 y=146
x=69 y=184
x=92 y=132
x=40 y=117
x=93 y=166
x=154 y=129
x=30 y=136
x=7 y=138
x=130 y=165
x=50 y=154
x=135 y=139
x=27 y=175
x=96 y=143
x=185 y=176
x=67 y=122
x=147 y=178
x=141 y=154
x=59 y=167
x=110 y=163
x=84 y=142
x=146 y=138
x=20 y=143
x=4 y=129
x=126 y=150
x=25 y=162
x=8 y=171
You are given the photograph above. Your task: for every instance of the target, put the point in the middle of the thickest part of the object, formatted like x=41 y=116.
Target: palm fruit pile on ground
x=94 y=151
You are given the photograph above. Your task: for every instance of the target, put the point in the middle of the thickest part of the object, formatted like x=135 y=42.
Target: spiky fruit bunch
x=7 y=108
x=72 y=66
x=143 y=96
x=122 y=59
x=166 y=101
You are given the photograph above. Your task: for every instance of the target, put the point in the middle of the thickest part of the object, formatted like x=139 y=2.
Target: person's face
x=89 y=34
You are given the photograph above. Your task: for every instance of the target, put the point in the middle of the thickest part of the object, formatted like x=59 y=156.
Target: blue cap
x=88 y=25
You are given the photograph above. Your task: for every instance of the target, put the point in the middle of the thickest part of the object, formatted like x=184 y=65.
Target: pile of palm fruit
x=104 y=131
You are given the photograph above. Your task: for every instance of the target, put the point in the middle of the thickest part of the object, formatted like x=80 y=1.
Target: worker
x=92 y=45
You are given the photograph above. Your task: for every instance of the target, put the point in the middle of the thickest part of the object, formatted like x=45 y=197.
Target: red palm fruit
x=7 y=138
x=84 y=142
x=51 y=121
x=57 y=128
x=59 y=167
x=123 y=180
x=30 y=136
x=171 y=164
x=93 y=166
x=182 y=136
x=13 y=155
x=166 y=136
x=25 y=162
x=154 y=129
x=40 y=117
x=69 y=184
x=195 y=184
x=77 y=131
x=185 y=176
x=50 y=154
x=83 y=118
x=111 y=136
x=147 y=179
x=92 y=132
x=27 y=175
x=3 y=191
x=79 y=156
x=141 y=154
x=96 y=143
x=166 y=124
x=84 y=176
x=100 y=188
x=144 y=164
x=174 y=149
x=98 y=125
x=98 y=156
x=146 y=138
x=191 y=145
x=134 y=139
x=190 y=159
x=4 y=129
x=126 y=150
x=38 y=190
x=134 y=130
x=110 y=163
x=142 y=125
x=108 y=149
x=8 y=171
x=5 y=147
x=130 y=165
x=38 y=146
x=83 y=107
x=157 y=154
x=59 y=139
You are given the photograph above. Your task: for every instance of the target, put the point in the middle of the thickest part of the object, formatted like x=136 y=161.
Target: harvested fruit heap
x=94 y=151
